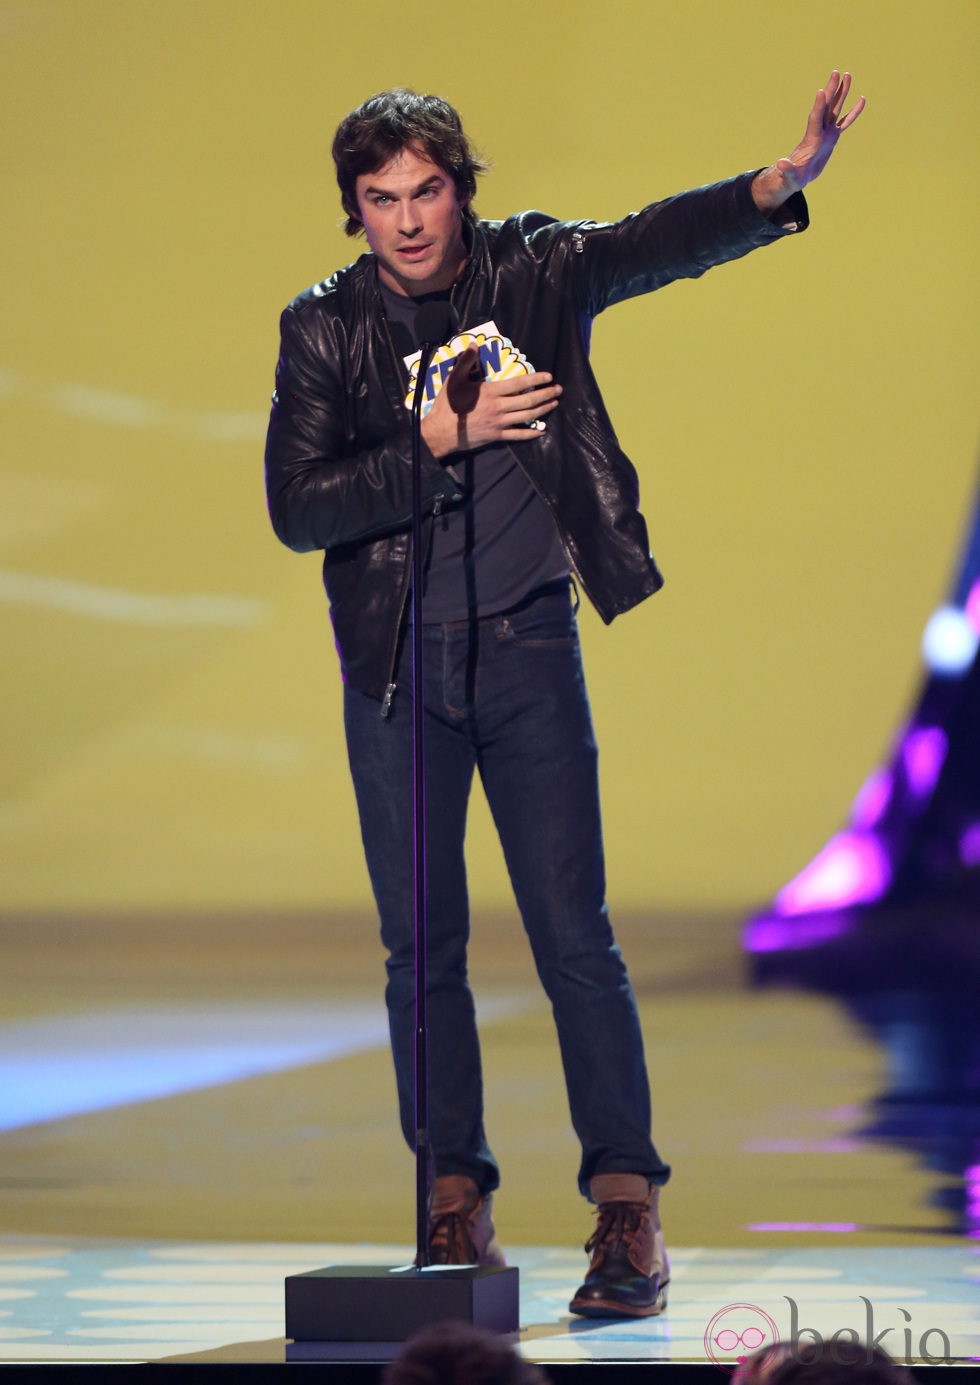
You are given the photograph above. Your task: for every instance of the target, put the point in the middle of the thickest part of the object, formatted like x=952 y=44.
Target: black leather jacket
x=338 y=453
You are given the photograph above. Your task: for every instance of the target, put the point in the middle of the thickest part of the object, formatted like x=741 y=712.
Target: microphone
x=435 y=322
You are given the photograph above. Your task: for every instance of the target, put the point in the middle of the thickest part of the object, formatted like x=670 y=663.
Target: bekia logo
x=735 y=1332
x=739 y=1330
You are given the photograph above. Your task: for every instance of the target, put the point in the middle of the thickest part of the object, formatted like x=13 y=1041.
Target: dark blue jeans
x=506 y=696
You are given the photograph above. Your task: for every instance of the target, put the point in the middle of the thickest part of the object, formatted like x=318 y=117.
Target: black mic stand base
x=330 y=1312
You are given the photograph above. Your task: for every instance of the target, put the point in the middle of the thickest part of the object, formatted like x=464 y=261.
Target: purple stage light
x=779 y=934
x=972 y=606
x=872 y=800
x=844 y=1228
x=853 y=868
x=923 y=754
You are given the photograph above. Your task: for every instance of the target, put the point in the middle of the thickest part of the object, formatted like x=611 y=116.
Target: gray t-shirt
x=500 y=542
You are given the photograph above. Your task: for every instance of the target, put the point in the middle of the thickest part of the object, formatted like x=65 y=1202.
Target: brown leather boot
x=629 y=1273
x=460 y=1224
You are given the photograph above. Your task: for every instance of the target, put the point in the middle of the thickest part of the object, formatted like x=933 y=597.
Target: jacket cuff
x=791 y=217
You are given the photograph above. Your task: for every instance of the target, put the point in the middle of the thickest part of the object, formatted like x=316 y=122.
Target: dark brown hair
x=394 y=120
x=808 y=1363
x=457 y=1353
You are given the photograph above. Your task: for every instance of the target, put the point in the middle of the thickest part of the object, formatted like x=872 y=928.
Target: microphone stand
x=435 y=322
x=423 y=1171
x=332 y=1312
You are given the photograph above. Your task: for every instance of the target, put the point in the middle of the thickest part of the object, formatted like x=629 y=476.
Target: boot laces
x=450 y=1239
x=617 y=1223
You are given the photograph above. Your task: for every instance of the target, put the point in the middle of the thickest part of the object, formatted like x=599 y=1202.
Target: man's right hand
x=470 y=412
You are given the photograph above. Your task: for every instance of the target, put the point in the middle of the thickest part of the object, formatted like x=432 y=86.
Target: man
x=525 y=491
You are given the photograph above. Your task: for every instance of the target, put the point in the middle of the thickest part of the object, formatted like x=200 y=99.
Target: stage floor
x=195 y=1108
x=75 y=1301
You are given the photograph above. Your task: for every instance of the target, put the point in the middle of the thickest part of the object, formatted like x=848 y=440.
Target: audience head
x=811 y=1363
x=456 y=1353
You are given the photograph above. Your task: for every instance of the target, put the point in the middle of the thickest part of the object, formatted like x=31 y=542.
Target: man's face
x=413 y=221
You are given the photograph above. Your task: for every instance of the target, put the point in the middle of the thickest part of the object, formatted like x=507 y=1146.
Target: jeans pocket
x=547 y=623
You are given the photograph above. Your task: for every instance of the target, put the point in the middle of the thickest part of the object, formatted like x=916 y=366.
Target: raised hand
x=824 y=127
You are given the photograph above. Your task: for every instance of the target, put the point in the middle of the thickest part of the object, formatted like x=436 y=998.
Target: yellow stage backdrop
x=803 y=423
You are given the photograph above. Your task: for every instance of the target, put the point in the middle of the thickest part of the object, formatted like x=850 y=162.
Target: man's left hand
x=825 y=125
